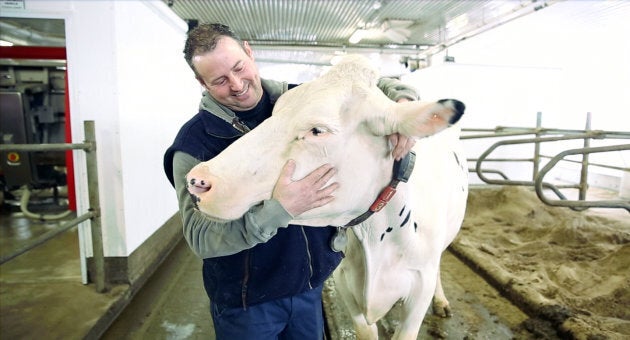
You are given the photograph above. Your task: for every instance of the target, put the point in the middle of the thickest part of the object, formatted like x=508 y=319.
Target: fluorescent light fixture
x=357 y=36
x=397 y=35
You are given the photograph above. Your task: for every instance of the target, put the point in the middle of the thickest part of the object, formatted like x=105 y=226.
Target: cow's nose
x=197 y=186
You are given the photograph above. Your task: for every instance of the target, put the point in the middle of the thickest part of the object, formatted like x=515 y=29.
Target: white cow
x=342 y=118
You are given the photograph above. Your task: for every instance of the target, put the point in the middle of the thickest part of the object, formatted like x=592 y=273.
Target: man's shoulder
x=205 y=124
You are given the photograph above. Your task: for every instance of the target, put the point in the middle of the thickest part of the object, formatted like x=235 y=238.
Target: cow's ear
x=421 y=119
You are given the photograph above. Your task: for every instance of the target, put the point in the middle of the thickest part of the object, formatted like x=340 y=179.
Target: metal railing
x=93 y=214
x=543 y=135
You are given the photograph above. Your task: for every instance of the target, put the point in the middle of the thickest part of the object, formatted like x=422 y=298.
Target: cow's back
x=439 y=184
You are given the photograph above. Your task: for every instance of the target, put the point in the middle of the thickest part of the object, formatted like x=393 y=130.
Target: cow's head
x=341 y=118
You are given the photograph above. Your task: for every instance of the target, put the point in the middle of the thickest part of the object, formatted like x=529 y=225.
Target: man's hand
x=401 y=143
x=308 y=193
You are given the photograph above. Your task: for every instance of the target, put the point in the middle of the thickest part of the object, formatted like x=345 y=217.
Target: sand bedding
x=567 y=267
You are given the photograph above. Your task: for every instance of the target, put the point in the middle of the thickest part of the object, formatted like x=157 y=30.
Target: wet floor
x=173 y=304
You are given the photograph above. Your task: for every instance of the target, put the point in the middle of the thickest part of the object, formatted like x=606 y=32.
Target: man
x=263 y=276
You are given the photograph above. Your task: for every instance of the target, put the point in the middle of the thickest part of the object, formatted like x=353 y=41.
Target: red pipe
x=32 y=52
x=72 y=198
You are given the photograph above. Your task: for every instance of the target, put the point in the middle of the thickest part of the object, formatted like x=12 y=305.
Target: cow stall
x=552 y=253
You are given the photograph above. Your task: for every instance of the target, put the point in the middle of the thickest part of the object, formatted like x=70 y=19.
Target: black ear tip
x=458 y=108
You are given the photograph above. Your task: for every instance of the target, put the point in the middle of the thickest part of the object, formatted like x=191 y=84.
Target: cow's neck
x=401 y=172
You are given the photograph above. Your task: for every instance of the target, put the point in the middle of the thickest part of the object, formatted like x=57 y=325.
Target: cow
x=342 y=118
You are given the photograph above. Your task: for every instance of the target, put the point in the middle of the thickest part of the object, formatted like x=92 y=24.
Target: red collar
x=401 y=173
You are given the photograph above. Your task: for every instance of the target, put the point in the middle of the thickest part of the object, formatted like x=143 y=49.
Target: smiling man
x=263 y=275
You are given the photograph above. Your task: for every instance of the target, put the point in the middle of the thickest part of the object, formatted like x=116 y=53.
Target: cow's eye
x=316 y=131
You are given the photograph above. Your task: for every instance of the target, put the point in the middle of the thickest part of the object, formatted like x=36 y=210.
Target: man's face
x=230 y=75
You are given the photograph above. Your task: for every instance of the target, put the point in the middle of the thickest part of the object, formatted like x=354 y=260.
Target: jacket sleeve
x=208 y=238
x=395 y=89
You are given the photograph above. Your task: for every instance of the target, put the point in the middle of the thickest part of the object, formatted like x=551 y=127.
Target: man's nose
x=236 y=83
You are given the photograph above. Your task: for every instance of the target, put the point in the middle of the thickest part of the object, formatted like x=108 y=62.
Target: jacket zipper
x=245 y=280
x=308 y=253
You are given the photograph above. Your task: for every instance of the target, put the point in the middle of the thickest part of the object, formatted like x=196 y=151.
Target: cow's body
x=342 y=118
x=395 y=254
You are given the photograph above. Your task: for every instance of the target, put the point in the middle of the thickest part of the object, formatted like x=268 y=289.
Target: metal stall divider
x=93 y=214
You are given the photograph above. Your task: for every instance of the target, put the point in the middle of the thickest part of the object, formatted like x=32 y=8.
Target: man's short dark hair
x=204 y=38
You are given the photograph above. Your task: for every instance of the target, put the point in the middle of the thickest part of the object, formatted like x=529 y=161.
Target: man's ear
x=248 y=50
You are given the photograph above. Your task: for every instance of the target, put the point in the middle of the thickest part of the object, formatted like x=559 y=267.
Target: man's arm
x=398 y=92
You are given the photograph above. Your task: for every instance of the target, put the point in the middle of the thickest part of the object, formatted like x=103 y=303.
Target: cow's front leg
x=441 y=305
x=362 y=329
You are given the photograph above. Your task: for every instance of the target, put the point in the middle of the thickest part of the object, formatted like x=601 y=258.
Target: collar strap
x=402 y=172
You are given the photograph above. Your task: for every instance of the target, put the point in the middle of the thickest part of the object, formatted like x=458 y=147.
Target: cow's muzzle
x=196 y=186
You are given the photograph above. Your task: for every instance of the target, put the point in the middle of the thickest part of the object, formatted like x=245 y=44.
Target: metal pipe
x=503 y=159
x=89 y=146
x=625 y=204
x=501 y=131
x=46 y=237
x=497 y=135
x=584 y=168
x=43 y=147
x=93 y=193
x=485 y=154
x=612 y=167
x=491 y=171
x=536 y=161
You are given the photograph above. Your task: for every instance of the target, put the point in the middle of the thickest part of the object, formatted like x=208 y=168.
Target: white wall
x=157 y=94
x=127 y=73
x=564 y=61
x=135 y=84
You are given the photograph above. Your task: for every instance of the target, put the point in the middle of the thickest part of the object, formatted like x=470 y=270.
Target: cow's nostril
x=198 y=186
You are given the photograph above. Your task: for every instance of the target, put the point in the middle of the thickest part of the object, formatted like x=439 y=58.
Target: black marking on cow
x=415 y=226
x=388 y=230
x=406 y=219
x=402 y=211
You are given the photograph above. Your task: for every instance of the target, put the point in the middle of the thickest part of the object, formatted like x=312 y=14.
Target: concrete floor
x=41 y=296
